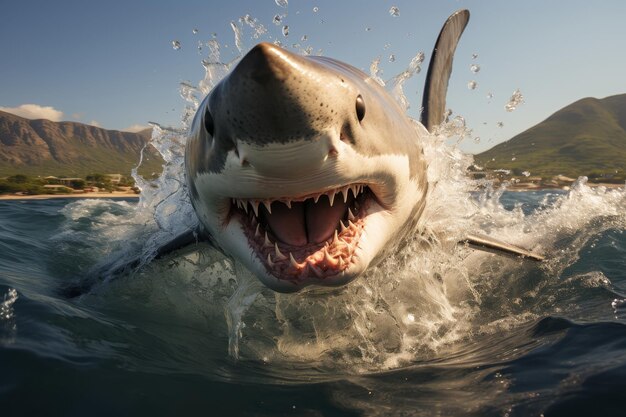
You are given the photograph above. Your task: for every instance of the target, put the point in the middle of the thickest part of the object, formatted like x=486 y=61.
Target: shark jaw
x=324 y=227
x=314 y=239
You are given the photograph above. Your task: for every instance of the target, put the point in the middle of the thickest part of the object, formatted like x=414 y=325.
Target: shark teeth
x=246 y=203
x=317 y=260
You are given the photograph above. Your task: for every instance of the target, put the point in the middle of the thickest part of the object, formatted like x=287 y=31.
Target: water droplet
x=392 y=58
x=214 y=35
x=411 y=317
x=387 y=46
x=304 y=38
x=500 y=124
x=477 y=139
x=489 y=96
x=278 y=43
x=195 y=31
x=472 y=85
x=277 y=19
x=394 y=11
x=316 y=9
x=474 y=56
x=513 y=159
x=281 y=3
x=516 y=99
x=474 y=68
x=285 y=30
x=368 y=29
x=176 y=45
x=526 y=174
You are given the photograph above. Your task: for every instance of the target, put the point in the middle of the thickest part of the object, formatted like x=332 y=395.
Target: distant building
x=68 y=181
x=57 y=187
x=114 y=178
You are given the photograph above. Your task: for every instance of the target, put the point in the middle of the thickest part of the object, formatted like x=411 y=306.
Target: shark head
x=304 y=169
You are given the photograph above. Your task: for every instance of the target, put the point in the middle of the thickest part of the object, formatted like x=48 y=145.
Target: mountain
x=42 y=147
x=587 y=137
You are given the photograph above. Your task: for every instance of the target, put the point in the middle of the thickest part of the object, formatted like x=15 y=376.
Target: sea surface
x=518 y=339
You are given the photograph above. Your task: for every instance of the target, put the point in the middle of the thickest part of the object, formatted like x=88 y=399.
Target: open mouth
x=309 y=236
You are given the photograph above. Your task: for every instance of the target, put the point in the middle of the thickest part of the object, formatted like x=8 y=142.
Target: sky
x=112 y=63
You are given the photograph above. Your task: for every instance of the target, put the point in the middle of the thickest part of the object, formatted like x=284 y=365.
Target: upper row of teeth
x=344 y=191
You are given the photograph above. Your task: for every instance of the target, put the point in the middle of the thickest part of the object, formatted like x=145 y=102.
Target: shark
x=308 y=172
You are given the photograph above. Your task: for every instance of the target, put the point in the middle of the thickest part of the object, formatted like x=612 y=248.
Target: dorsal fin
x=440 y=67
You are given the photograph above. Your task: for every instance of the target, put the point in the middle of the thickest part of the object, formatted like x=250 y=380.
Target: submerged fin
x=440 y=68
x=124 y=264
x=489 y=244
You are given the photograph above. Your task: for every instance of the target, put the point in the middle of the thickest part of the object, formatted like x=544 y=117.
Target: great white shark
x=305 y=170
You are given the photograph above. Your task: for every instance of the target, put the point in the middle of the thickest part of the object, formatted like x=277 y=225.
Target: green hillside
x=587 y=137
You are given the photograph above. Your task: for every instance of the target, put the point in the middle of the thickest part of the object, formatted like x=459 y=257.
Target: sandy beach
x=114 y=194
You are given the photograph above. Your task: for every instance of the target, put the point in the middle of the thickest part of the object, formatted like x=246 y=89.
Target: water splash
x=8 y=327
x=176 y=45
x=420 y=301
x=6 y=306
x=278 y=19
x=472 y=85
x=394 y=11
x=397 y=82
x=474 y=68
x=376 y=71
x=515 y=101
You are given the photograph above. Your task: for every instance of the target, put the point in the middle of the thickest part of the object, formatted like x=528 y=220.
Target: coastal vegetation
x=21 y=184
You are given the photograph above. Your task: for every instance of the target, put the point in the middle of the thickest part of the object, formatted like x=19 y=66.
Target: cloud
x=136 y=128
x=95 y=123
x=35 y=111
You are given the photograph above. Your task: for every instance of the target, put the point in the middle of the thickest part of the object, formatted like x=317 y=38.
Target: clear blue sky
x=112 y=63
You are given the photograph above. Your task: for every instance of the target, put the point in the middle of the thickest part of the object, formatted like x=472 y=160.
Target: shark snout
x=286 y=160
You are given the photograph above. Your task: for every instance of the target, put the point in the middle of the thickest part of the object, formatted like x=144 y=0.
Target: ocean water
x=478 y=336
x=436 y=329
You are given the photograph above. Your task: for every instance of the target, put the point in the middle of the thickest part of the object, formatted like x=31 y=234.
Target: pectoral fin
x=489 y=244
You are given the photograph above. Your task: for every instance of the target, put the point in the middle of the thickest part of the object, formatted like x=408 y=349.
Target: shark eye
x=208 y=123
x=360 y=108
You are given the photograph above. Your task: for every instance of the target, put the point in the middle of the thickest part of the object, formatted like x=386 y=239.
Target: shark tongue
x=322 y=219
x=305 y=222
x=287 y=223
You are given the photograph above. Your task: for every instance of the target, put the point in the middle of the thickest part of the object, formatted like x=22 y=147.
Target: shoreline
x=123 y=194
x=115 y=194
x=534 y=187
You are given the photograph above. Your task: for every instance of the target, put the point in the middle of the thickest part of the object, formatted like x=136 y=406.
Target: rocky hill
x=587 y=137
x=42 y=147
